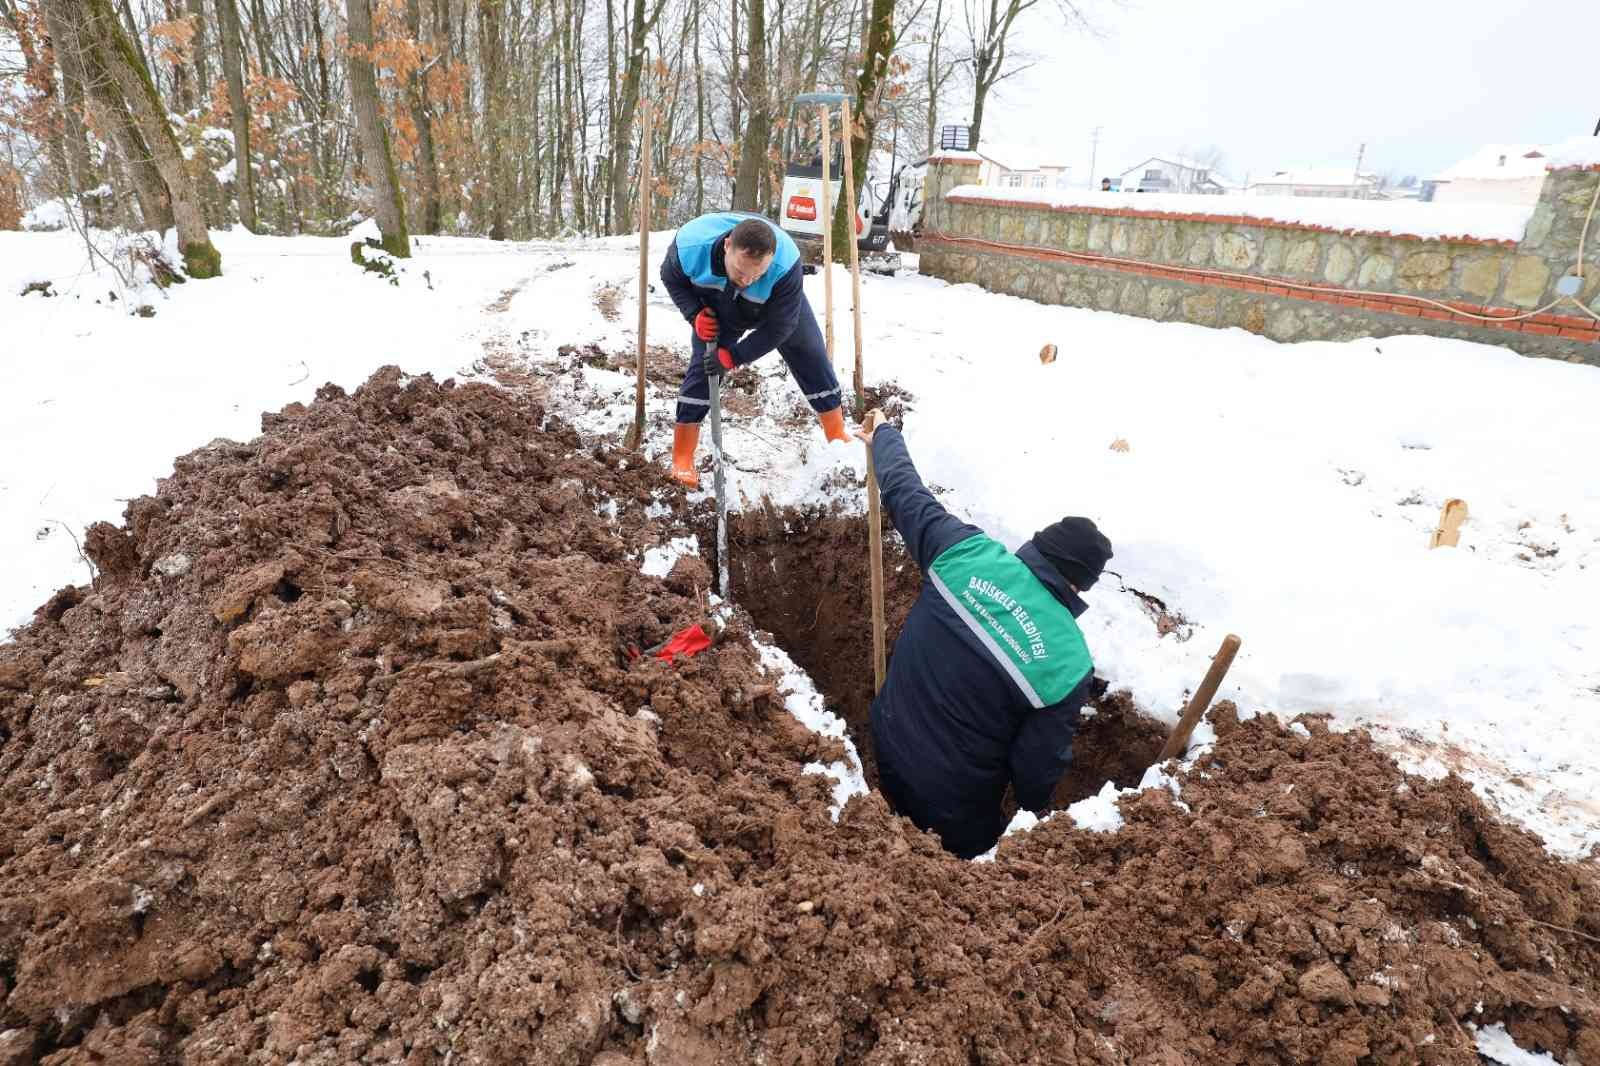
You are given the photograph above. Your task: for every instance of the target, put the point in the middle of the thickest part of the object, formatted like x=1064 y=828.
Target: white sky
x=1283 y=83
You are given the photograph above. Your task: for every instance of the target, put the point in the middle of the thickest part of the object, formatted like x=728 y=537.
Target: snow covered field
x=1284 y=493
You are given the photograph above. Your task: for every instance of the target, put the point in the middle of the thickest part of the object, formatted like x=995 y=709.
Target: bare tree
x=644 y=15
x=989 y=26
x=426 y=158
x=936 y=72
x=869 y=86
x=388 y=206
x=239 y=106
x=748 y=191
x=110 y=60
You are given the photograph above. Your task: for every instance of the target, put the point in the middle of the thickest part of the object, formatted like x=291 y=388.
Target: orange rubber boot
x=833 y=424
x=685 y=436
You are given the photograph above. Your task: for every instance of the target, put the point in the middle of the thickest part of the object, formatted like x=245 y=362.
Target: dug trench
x=337 y=761
x=805 y=576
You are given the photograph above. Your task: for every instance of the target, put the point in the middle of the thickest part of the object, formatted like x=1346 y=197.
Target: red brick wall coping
x=1229 y=220
x=1567 y=327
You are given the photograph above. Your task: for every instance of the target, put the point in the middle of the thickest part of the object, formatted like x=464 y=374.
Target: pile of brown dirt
x=338 y=763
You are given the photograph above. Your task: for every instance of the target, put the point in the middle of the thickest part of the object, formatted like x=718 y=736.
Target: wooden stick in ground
x=636 y=431
x=827 y=230
x=880 y=654
x=855 y=253
x=1201 y=701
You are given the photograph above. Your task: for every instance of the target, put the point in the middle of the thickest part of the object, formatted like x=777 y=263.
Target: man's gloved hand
x=869 y=426
x=705 y=324
x=718 y=360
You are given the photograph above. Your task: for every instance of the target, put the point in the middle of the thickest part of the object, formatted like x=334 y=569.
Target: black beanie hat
x=1076 y=548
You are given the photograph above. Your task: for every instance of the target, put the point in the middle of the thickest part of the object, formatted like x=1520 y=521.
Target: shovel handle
x=714 y=382
x=1201 y=700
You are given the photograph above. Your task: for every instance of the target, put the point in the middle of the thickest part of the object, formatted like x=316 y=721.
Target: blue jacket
x=695 y=277
x=953 y=723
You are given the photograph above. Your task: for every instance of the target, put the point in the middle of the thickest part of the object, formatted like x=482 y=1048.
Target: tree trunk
x=699 y=118
x=572 y=44
x=258 y=30
x=490 y=45
x=244 y=184
x=80 y=175
x=180 y=74
x=111 y=56
x=66 y=20
x=869 y=84
x=202 y=73
x=735 y=110
x=132 y=28
x=388 y=206
x=83 y=175
x=632 y=75
x=747 y=190
x=934 y=81
x=426 y=162
x=980 y=95
x=327 y=178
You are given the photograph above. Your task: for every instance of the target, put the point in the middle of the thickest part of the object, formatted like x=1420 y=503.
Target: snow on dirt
x=1283 y=492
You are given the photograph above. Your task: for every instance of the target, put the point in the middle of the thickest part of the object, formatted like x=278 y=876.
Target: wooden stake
x=1448 y=535
x=880 y=654
x=827 y=229
x=855 y=252
x=635 y=435
x=1201 y=700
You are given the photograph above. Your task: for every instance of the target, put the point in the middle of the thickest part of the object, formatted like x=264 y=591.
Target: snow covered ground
x=1281 y=492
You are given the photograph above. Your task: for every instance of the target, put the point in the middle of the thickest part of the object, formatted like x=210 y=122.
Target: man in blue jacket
x=737 y=279
x=990 y=671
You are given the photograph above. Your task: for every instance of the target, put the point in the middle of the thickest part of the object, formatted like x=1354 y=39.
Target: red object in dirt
x=684 y=642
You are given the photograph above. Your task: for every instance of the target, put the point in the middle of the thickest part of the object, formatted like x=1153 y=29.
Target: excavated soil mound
x=338 y=762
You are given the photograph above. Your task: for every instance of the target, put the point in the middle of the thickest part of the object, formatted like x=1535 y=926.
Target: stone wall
x=1286 y=281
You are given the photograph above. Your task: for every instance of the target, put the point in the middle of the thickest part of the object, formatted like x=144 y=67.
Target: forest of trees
x=503 y=118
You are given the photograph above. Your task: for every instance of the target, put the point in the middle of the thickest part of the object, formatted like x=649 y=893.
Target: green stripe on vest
x=1030 y=633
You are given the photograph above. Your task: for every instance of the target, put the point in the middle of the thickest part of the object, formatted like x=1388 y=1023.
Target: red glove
x=685 y=642
x=719 y=363
x=705 y=324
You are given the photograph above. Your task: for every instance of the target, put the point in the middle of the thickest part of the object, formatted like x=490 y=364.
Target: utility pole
x=1094 y=152
x=1361 y=154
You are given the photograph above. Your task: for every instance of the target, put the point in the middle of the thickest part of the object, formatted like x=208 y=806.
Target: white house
x=1010 y=167
x=1318 y=181
x=1494 y=174
x=1177 y=174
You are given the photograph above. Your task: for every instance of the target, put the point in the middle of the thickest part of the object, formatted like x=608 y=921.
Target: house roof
x=1175 y=160
x=1213 y=175
x=1500 y=162
x=1343 y=177
x=1017 y=158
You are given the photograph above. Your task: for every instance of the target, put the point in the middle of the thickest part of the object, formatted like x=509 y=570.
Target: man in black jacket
x=990 y=671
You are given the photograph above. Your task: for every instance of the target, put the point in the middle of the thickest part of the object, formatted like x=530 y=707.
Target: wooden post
x=880 y=655
x=855 y=252
x=827 y=229
x=636 y=431
x=1201 y=700
x=1448 y=535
